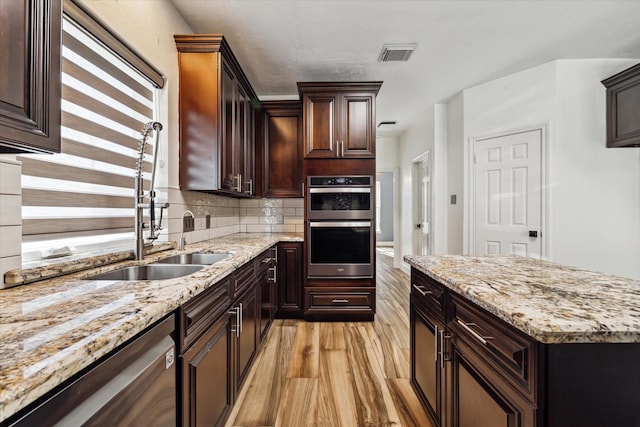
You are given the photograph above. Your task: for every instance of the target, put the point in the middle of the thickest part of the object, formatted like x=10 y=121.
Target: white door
x=508 y=194
x=422 y=236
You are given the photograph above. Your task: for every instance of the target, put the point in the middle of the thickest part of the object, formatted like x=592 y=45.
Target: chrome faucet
x=182 y=240
x=140 y=195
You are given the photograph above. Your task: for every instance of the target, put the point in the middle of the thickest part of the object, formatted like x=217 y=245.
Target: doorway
x=422 y=196
x=507 y=194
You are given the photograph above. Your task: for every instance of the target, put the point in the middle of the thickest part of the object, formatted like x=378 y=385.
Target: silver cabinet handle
x=467 y=327
x=344 y=301
x=250 y=184
x=266 y=260
x=273 y=279
x=238 y=187
x=240 y=316
x=441 y=349
x=421 y=290
x=235 y=327
x=275 y=254
x=435 y=338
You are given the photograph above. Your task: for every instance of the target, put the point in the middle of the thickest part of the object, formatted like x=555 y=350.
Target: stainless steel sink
x=197 y=258
x=149 y=272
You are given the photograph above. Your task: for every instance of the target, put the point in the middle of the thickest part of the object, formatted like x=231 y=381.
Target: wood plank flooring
x=348 y=374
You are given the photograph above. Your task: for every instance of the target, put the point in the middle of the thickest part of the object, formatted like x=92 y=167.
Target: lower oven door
x=340 y=249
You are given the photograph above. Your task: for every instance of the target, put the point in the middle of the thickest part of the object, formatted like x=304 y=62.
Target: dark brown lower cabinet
x=289 y=281
x=246 y=334
x=472 y=369
x=266 y=273
x=427 y=365
x=480 y=398
x=206 y=375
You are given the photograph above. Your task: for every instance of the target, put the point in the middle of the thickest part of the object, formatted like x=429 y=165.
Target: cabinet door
x=426 y=367
x=207 y=373
x=244 y=149
x=228 y=163
x=282 y=161
x=290 y=285
x=30 y=75
x=357 y=138
x=248 y=339
x=481 y=399
x=267 y=297
x=320 y=126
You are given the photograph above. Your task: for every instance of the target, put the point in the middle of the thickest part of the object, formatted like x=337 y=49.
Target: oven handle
x=339 y=190
x=341 y=224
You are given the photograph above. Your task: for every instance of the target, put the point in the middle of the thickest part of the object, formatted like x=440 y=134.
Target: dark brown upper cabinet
x=30 y=76
x=623 y=108
x=280 y=153
x=339 y=119
x=216 y=118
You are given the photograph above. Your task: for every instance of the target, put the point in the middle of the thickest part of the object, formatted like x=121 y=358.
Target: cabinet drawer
x=429 y=292
x=341 y=300
x=348 y=300
x=244 y=278
x=198 y=314
x=265 y=260
x=509 y=350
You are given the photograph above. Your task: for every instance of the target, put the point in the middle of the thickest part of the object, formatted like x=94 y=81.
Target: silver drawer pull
x=340 y=301
x=421 y=290
x=467 y=327
x=264 y=261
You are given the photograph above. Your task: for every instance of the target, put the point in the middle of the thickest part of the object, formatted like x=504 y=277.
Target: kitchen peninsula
x=508 y=341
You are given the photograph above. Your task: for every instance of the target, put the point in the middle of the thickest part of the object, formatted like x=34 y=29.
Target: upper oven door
x=339 y=203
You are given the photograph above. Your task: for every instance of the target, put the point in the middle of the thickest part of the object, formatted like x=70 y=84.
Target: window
x=83 y=197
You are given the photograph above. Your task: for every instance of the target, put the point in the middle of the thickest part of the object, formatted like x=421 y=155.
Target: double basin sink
x=166 y=268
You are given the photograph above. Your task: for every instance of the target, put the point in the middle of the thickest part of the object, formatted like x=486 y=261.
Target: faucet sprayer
x=140 y=194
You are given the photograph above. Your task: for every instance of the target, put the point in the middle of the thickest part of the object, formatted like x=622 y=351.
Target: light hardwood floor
x=347 y=374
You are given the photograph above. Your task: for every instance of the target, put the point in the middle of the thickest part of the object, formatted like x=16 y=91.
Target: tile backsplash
x=272 y=215
x=230 y=215
x=10 y=215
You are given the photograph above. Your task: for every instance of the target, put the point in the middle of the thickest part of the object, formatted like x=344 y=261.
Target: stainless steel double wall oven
x=340 y=226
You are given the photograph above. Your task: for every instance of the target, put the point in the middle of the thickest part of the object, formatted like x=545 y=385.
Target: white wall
x=455 y=174
x=594 y=221
x=595 y=199
x=412 y=143
x=10 y=216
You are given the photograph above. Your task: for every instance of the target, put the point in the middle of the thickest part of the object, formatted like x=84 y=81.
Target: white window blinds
x=85 y=194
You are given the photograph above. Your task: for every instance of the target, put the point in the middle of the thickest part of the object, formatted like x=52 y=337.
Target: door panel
x=229 y=135
x=321 y=126
x=358 y=126
x=508 y=197
x=478 y=406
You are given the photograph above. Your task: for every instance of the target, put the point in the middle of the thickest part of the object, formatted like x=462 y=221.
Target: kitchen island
x=513 y=341
x=53 y=329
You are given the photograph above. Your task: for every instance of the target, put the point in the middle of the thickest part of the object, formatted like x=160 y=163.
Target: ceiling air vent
x=396 y=52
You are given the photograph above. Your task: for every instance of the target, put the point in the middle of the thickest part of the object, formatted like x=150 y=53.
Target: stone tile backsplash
x=229 y=215
x=272 y=215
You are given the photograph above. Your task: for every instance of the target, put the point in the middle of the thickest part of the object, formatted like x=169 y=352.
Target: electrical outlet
x=188 y=223
x=207 y=220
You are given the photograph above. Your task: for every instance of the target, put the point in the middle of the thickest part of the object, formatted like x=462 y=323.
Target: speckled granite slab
x=550 y=302
x=52 y=329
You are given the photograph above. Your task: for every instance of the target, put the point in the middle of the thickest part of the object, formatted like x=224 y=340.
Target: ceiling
x=460 y=43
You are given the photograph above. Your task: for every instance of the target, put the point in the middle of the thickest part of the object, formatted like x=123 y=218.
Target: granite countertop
x=54 y=328
x=550 y=302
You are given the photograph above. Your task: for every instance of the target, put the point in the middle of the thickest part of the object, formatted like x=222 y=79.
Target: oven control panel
x=321 y=181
